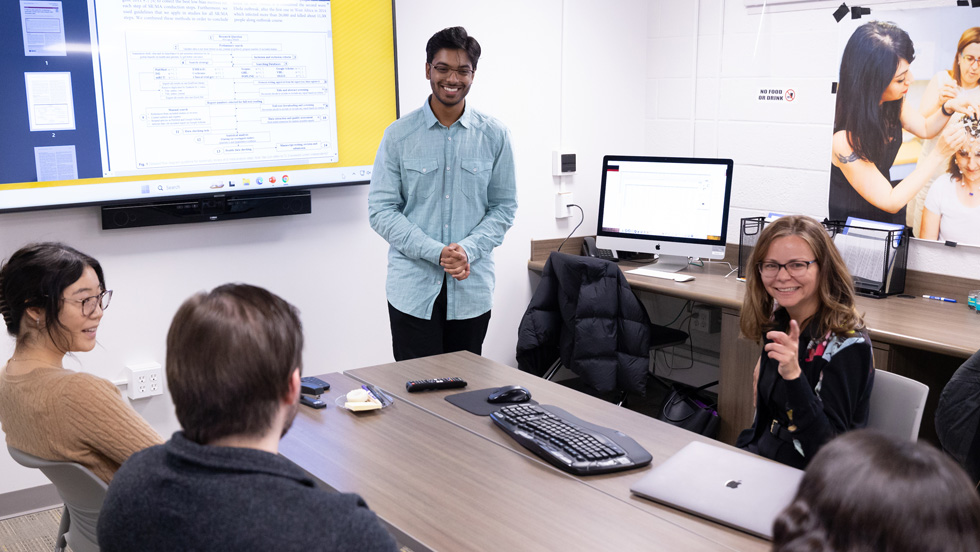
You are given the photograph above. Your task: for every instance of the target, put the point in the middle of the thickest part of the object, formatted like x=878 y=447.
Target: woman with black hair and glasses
x=52 y=298
x=813 y=380
x=871 y=113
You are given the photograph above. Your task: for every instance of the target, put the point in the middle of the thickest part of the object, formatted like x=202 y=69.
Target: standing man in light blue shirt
x=443 y=193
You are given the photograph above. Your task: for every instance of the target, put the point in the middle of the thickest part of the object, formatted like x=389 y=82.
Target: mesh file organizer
x=875 y=257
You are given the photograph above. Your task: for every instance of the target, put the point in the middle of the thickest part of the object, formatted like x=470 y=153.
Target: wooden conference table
x=915 y=337
x=441 y=478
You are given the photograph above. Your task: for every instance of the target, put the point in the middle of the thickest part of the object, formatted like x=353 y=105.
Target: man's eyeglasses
x=970 y=60
x=89 y=303
x=770 y=269
x=444 y=70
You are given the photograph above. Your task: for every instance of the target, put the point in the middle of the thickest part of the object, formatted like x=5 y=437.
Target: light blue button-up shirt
x=433 y=186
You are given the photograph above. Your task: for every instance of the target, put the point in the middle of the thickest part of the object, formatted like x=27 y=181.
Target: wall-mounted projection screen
x=108 y=101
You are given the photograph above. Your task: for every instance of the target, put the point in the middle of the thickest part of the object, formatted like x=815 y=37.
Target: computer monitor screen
x=113 y=100
x=672 y=206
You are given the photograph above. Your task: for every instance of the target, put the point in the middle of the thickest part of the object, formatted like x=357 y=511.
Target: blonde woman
x=814 y=377
x=963 y=80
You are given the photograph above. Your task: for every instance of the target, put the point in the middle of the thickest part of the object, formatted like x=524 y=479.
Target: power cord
x=580 y=221
x=690 y=341
x=686 y=306
x=689 y=308
x=731 y=268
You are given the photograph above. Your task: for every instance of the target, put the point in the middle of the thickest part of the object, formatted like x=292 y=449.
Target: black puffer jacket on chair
x=585 y=312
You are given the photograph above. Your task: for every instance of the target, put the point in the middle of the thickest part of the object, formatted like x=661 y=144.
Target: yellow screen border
x=366 y=96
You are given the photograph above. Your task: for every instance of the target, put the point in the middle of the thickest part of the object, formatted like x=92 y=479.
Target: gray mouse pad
x=475 y=402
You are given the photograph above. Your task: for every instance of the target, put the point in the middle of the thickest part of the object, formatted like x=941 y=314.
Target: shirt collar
x=233 y=459
x=466 y=119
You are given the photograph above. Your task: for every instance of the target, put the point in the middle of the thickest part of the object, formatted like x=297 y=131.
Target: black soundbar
x=206 y=209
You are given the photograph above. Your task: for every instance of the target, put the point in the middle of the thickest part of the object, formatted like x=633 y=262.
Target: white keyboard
x=661 y=274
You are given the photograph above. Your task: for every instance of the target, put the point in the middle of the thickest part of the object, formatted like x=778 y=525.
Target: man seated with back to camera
x=233 y=369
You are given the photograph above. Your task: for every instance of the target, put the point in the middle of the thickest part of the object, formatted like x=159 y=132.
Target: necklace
x=968 y=190
x=35 y=360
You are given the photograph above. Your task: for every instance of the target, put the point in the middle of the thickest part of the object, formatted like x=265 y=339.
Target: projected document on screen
x=43 y=27
x=195 y=93
x=106 y=101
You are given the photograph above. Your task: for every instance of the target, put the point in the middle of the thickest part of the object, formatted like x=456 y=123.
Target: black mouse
x=510 y=394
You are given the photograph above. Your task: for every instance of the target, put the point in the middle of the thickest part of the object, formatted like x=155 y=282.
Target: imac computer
x=674 y=207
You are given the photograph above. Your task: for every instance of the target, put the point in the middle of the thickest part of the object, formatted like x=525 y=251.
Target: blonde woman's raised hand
x=785 y=349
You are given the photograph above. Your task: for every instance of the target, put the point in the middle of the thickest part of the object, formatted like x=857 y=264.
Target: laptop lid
x=740 y=490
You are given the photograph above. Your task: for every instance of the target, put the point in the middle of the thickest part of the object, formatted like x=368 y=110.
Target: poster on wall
x=897 y=155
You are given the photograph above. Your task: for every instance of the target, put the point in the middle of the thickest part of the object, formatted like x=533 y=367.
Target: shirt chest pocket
x=476 y=178
x=420 y=177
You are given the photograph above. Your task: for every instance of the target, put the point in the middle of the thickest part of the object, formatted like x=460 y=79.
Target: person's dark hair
x=37 y=276
x=867 y=67
x=835 y=288
x=230 y=354
x=453 y=38
x=867 y=491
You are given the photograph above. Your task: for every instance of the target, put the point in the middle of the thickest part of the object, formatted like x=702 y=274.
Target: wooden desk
x=438 y=486
x=660 y=439
x=918 y=338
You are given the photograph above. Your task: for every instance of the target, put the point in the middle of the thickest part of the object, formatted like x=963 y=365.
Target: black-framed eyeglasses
x=770 y=269
x=444 y=70
x=89 y=303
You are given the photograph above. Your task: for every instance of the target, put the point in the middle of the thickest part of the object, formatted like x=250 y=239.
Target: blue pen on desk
x=371 y=392
x=378 y=394
x=944 y=299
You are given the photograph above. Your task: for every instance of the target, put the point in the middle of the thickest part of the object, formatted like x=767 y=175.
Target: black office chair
x=662 y=337
x=584 y=316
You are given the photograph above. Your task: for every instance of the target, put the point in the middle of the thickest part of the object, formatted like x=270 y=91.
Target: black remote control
x=311 y=402
x=313 y=386
x=441 y=383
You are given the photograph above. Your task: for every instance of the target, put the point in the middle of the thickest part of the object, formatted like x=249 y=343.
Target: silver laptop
x=739 y=490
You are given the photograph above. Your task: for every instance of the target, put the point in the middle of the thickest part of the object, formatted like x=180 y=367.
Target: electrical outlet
x=562 y=201
x=699 y=320
x=706 y=319
x=145 y=380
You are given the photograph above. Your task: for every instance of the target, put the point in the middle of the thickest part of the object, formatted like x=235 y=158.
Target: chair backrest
x=897 y=403
x=82 y=491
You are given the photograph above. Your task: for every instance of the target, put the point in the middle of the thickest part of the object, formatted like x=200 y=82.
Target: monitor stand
x=668 y=263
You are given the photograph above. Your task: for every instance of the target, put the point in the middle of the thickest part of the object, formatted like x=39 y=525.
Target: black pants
x=416 y=337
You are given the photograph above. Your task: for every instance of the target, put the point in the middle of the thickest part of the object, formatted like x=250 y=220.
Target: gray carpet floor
x=31 y=532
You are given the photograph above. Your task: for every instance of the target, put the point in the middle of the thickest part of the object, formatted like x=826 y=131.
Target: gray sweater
x=185 y=496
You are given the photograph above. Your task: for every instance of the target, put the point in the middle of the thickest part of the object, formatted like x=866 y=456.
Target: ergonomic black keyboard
x=569 y=443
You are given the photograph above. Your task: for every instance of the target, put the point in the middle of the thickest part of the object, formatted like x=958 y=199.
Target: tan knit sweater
x=59 y=414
